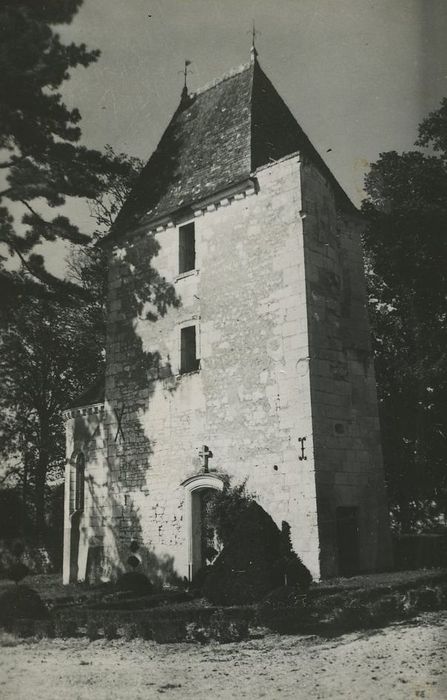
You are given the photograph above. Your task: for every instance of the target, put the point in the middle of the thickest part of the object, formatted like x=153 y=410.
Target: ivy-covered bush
x=295 y=572
x=226 y=507
x=256 y=557
x=247 y=568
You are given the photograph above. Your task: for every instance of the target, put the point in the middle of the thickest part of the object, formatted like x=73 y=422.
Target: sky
x=359 y=75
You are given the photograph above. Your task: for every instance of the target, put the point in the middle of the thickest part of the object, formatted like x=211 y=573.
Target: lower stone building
x=237 y=347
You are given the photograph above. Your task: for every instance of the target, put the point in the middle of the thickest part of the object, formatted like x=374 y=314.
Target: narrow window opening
x=189 y=361
x=80 y=473
x=187 y=248
x=77 y=474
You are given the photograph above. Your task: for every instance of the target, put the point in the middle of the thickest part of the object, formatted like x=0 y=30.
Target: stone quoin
x=257 y=367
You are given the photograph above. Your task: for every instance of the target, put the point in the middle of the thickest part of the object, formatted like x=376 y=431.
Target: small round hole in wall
x=275 y=467
x=339 y=428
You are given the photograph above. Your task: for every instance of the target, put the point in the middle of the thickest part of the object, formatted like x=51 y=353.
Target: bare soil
x=406 y=660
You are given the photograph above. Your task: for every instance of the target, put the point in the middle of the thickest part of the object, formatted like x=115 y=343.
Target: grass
x=334 y=606
x=388 y=579
x=9 y=639
x=50 y=588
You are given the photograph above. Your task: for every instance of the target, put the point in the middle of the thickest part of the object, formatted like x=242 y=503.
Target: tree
x=118 y=182
x=40 y=156
x=50 y=353
x=41 y=373
x=53 y=345
x=406 y=247
x=87 y=265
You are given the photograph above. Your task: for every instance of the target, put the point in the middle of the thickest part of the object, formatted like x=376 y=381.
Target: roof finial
x=254 y=34
x=185 y=73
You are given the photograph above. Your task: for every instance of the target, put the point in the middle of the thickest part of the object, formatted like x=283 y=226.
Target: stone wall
x=84 y=429
x=344 y=402
x=250 y=400
x=278 y=300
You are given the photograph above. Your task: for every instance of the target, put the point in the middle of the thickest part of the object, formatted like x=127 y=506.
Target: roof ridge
x=226 y=76
x=253 y=63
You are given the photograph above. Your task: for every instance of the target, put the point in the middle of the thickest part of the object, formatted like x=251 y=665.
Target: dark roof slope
x=94 y=394
x=276 y=133
x=205 y=148
x=217 y=137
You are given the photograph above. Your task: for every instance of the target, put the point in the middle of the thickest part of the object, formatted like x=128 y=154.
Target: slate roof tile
x=217 y=138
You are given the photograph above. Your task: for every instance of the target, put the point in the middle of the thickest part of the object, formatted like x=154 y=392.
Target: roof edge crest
x=229 y=74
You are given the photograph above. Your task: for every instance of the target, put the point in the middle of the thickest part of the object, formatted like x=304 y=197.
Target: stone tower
x=237 y=346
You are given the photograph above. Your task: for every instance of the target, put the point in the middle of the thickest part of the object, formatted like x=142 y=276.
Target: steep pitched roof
x=94 y=394
x=217 y=138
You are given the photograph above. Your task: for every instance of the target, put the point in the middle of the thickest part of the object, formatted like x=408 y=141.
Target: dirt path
x=401 y=661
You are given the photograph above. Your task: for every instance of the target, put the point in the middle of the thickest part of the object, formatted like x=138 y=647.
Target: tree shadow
x=117 y=449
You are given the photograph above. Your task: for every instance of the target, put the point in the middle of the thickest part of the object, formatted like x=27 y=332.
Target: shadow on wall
x=137 y=292
x=117 y=551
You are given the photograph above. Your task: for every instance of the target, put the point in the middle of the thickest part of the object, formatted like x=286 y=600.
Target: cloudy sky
x=358 y=74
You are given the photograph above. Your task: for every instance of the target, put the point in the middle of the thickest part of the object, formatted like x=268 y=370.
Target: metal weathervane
x=185 y=73
x=254 y=33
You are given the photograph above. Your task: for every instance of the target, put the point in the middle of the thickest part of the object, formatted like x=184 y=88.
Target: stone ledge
x=97 y=408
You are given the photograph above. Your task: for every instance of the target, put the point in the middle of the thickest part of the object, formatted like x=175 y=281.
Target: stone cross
x=205 y=454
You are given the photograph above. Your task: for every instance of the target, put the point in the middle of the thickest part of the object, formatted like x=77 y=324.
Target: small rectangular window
x=189 y=361
x=187 y=248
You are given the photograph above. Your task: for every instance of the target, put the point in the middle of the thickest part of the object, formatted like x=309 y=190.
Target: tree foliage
x=406 y=247
x=41 y=161
x=87 y=265
x=52 y=345
x=40 y=373
x=50 y=353
x=226 y=507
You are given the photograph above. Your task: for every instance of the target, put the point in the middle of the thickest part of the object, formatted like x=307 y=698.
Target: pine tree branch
x=47 y=278
x=83 y=237
x=11 y=163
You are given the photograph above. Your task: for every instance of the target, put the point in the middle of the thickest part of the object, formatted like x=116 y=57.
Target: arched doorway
x=77 y=489
x=201 y=540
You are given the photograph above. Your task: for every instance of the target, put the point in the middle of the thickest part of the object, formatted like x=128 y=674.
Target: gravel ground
x=400 y=661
